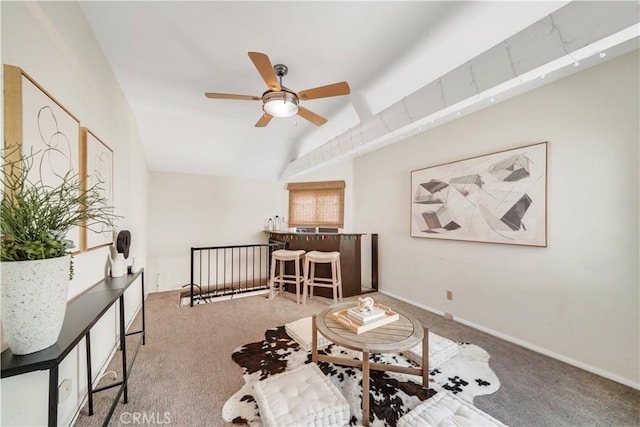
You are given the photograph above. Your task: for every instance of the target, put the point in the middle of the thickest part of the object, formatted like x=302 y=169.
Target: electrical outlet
x=449 y=295
x=64 y=390
x=448 y=316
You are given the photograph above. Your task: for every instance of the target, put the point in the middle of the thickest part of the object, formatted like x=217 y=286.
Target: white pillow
x=446 y=410
x=440 y=350
x=301 y=332
x=301 y=397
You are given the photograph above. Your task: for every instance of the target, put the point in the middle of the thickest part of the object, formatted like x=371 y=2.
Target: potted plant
x=34 y=251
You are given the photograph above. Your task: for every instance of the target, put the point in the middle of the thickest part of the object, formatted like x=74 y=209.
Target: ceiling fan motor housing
x=281 y=70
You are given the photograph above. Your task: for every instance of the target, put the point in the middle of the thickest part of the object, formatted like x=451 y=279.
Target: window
x=316 y=204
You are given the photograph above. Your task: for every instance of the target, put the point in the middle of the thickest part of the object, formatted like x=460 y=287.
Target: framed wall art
x=97 y=168
x=40 y=125
x=496 y=198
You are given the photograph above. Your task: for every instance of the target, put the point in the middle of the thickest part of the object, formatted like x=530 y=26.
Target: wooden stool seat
x=310 y=280
x=277 y=280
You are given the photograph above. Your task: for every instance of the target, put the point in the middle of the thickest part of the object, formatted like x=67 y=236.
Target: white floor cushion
x=440 y=350
x=447 y=410
x=301 y=397
x=301 y=331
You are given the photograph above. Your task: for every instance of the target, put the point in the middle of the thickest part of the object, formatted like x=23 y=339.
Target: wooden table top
x=403 y=334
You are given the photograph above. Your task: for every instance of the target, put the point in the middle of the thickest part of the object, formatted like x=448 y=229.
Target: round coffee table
x=400 y=335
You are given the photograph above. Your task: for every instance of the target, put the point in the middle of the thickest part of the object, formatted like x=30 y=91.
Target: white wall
x=54 y=44
x=198 y=211
x=577 y=299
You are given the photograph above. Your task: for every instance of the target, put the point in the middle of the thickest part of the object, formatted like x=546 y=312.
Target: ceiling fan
x=280 y=101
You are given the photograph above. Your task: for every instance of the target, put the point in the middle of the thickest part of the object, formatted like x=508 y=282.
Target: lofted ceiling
x=166 y=55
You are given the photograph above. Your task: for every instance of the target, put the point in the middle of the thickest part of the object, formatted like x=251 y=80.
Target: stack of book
x=362 y=321
x=365 y=317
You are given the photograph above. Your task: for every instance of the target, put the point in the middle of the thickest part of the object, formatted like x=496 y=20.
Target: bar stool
x=310 y=280
x=277 y=280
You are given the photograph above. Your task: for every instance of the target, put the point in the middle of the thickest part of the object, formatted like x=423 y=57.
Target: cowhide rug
x=391 y=394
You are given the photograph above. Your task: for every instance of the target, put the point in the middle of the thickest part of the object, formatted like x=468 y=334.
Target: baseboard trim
x=525 y=344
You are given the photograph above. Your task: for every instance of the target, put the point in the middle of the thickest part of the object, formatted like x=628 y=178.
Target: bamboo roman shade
x=316 y=204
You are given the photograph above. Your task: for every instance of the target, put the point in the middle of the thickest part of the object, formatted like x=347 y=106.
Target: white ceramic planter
x=34 y=301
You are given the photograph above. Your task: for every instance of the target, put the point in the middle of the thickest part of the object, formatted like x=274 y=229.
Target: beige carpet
x=184 y=374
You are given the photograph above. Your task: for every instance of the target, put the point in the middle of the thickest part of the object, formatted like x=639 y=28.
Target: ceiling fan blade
x=264 y=120
x=263 y=64
x=232 y=96
x=311 y=116
x=335 y=89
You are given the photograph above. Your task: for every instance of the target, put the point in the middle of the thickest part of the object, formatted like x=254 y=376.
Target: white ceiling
x=167 y=54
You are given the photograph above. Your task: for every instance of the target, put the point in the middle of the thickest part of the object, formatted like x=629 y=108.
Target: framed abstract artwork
x=495 y=198
x=41 y=126
x=97 y=168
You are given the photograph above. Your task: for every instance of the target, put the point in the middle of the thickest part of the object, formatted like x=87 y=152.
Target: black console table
x=81 y=315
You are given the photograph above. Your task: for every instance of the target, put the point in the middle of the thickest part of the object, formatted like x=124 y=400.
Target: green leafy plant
x=35 y=217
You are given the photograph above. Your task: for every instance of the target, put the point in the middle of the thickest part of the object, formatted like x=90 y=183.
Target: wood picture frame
x=97 y=170
x=495 y=198
x=37 y=123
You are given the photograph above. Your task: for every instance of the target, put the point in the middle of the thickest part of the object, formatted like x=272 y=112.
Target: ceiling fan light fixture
x=280 y=104
x=280 y=101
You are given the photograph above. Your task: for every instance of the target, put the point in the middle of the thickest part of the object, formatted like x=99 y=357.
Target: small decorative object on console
x=118 y=263
x=135 y=265
x=123 y=243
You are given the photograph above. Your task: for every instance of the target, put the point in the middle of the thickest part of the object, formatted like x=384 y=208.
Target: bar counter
x=348 y=244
